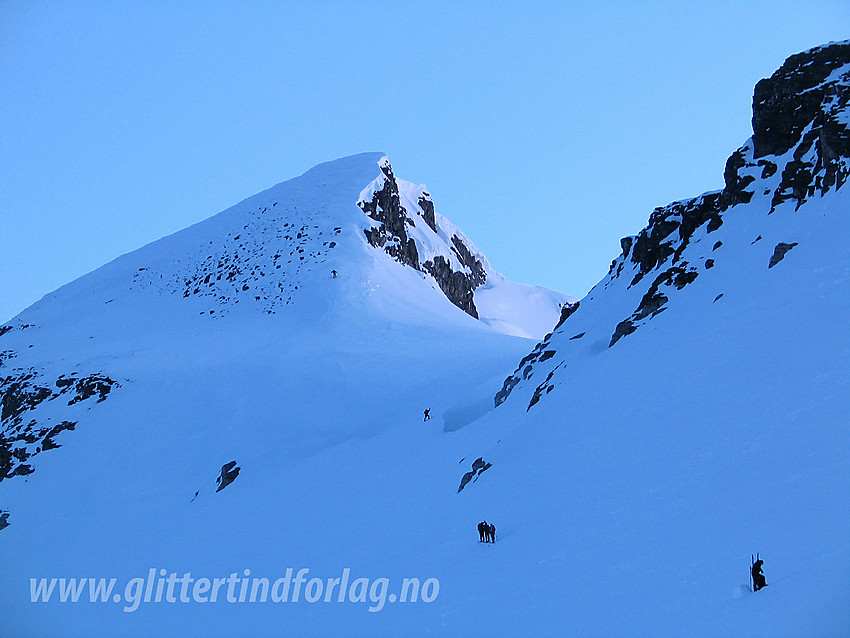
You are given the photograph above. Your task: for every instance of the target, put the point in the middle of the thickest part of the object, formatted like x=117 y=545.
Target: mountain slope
x=290 y=264
x=272 y=335
x=688 y=412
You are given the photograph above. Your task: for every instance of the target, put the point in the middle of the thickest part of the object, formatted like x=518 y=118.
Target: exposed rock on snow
x=566 y=310
x=385 y=207
x=779 y=253
x=653 y=302
x=479 y=465
x=229 y=472
x=22 y=392
x=457 y=272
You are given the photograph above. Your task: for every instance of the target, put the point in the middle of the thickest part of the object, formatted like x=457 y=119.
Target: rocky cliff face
x=385 y=208
x=800 y=149
x=410 y=232
x=807 y=93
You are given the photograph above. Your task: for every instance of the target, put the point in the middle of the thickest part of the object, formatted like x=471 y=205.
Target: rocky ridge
x=800 y=149
x=408 y=229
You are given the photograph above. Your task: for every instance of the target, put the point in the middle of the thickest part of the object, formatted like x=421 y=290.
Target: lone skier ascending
x=758 y=576
x=427 y=414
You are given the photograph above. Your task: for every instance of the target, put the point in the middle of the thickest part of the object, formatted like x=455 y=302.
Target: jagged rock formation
x=385 y=207
x=479 y=466
x=779 y=253
x=804 y=94
x=457 y=272
x=800 y=149
x=228 y=474
x=21 y=392
x=526 y=368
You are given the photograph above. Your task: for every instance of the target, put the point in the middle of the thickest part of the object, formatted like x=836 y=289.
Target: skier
x=758 y=576
x=492 y=533
x=427 y=414
x=333 y=274
x=482 y=533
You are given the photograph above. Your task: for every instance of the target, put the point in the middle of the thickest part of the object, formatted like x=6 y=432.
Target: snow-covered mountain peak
x=277 y=250
x=346 y=248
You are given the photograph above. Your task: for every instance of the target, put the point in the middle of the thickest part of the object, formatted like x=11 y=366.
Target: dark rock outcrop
x=4 y=519
x=798 y=108
x=541 y=353
x=793 y=97
x=229 y=472
x=478 y=466
x=543 y=388
x=507 y=387
x=669 y=232
x=654 y=300
x=625 y=327
x=48 y=443
x=385 y=207
x=779 y=253
x=24 y=391
x=427 y=207
x=455 y=285
x=21 y=393
x=94 y=384
x=477 y=275
x=391 y=234
x=567 y=310
x=525 y=368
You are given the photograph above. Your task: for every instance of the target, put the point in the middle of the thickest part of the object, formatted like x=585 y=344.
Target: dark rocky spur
x=800 y=149
x=391 y=235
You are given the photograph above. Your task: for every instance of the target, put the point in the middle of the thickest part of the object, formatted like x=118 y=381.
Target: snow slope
x=270 y=334
x=688 y=412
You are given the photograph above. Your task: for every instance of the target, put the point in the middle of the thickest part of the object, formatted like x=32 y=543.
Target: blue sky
x=545 y=131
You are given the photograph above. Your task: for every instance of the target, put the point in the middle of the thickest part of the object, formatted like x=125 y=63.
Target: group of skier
x=486 y=532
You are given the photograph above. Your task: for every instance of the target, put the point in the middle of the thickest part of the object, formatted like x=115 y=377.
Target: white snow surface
x=627 y=501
